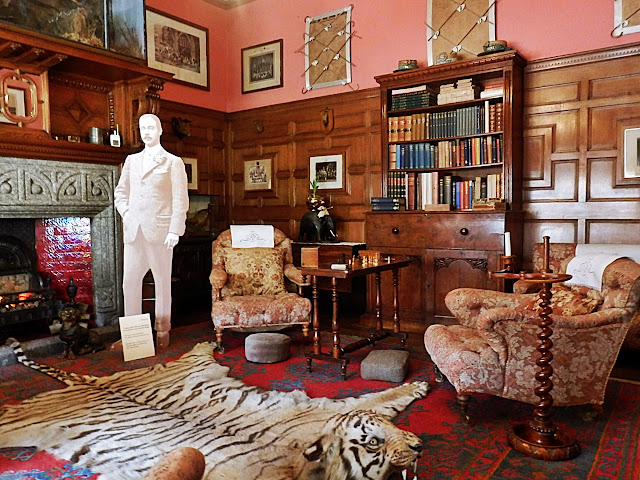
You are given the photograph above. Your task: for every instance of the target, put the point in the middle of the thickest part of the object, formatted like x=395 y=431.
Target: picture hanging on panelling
x=327 y=49
x=459 y=30
x=626 y=17
x=632 y=153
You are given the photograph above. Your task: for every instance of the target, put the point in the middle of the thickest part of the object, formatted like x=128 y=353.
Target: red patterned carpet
x=610 y=445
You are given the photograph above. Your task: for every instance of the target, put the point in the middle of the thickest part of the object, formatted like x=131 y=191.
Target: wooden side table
x=540 y=437
x=356 y=269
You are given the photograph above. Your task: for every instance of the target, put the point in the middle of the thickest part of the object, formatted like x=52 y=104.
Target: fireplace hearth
x=32 y=188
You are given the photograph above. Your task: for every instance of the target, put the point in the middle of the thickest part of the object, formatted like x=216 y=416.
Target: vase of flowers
x=314 y=201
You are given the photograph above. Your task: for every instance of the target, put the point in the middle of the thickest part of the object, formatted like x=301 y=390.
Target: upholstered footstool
x=267 y=347
x=387 y=365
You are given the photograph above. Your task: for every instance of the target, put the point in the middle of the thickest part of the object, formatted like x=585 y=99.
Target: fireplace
x=31 y=188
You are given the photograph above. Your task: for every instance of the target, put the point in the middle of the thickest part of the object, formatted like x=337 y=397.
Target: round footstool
x=267 y=347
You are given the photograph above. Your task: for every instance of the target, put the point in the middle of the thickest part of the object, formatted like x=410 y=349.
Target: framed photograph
x=257 y=174
x=632 y=153
x=327 y=49
x=262 y=67
x=125 y=28
x=327 y=170
x=179 y=47
x=191 y=167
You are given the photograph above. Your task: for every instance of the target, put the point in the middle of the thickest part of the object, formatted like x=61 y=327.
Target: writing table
x=358 y=268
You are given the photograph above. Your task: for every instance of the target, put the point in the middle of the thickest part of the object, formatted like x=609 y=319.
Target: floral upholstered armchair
x=493 y=350
x=256 y=288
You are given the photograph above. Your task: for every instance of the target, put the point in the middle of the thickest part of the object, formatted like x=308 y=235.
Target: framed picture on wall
x=191 y=167
x=257 y=174
x=179 y=47
x=632 y=153
x=262 y=67
x=327 y=170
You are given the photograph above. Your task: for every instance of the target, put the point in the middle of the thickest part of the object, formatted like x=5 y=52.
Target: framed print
x=191 y=167
x=461 y=29
x=632 y=153
x=327 y=49
x=257 y=174
x=179 y=47
x=262 y=66
x=327 y=170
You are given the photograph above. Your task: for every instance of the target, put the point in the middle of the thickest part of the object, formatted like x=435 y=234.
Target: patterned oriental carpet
x=610 y=445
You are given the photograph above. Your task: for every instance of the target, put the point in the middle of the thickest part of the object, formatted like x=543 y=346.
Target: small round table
x=540 y=437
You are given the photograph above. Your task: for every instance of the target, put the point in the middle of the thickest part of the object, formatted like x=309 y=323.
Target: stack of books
x=386 y=204
x=413 y=97
x=460 y=92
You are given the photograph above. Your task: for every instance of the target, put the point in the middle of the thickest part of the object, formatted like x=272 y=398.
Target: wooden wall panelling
x=294 y=132
x=576 y=110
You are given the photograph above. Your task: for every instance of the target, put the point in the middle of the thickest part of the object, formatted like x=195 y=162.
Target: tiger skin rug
x=121 y=425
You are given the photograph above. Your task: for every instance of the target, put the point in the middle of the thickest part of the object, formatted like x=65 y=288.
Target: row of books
x=447 y=153
x=470 y=120
x=421 y=190
x=412 y=97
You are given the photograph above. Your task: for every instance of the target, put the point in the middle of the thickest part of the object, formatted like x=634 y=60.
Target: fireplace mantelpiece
x=31 y=188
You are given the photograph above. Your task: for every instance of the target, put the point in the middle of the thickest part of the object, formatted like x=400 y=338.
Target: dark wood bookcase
x=457 y=247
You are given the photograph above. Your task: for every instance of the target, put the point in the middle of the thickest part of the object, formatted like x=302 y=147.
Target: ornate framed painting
x=179 y=47
x=262 y=66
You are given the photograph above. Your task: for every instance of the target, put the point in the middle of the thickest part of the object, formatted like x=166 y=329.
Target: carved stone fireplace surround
x=31 y=188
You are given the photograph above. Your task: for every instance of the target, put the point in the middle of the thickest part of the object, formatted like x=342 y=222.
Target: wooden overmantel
x=78 y=87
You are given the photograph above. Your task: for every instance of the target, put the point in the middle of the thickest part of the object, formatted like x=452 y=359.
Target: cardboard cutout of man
x=152 y=198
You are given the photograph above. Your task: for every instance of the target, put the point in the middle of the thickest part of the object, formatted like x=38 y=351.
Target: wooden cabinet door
x=449 y=269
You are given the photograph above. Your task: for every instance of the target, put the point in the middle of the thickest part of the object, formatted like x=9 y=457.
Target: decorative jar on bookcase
x=452 y=148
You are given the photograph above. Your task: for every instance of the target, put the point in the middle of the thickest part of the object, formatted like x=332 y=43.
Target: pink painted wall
x=215 y=19
x=387 y=31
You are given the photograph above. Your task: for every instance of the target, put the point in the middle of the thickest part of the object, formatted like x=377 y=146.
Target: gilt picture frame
x=262 y=67
x=179 y=47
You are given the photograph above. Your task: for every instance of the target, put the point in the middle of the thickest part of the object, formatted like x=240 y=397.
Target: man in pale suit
x=152 y=198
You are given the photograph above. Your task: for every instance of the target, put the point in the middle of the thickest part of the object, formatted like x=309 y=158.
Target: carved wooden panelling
x=603 y=123
x=615 y=87
x=295 y=131
x=577 y=108
x=551 y=94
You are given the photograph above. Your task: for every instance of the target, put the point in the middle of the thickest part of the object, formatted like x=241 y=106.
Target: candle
x=507 y=244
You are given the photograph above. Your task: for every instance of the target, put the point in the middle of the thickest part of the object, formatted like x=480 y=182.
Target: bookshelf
x=452 y=133
x=452 y=153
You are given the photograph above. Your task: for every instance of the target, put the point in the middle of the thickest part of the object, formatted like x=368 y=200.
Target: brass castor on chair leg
x=438 y=374
x=463 y=401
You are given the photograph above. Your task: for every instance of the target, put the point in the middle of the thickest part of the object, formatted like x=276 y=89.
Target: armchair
x=494 y=348
x=255 y=288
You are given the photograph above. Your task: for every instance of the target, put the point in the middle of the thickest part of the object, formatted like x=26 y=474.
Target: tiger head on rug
x=361 y=445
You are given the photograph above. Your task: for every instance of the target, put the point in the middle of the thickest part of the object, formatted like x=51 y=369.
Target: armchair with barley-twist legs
x=493 y=348
x=256 y=289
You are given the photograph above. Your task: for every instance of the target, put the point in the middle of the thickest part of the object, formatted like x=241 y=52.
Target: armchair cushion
x=566 y=300
x=253 y=271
